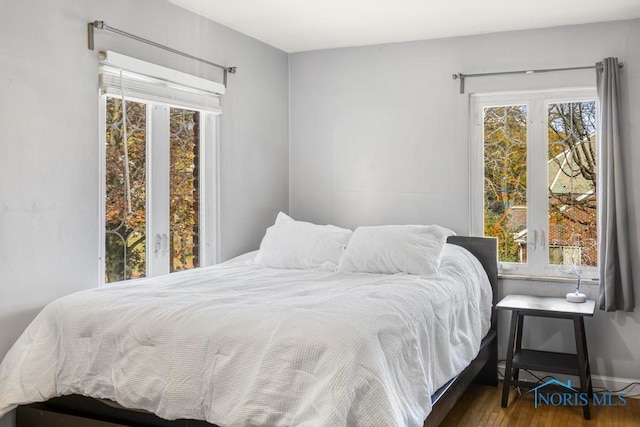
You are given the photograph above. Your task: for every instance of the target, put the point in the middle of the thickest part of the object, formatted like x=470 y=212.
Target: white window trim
x=536 y=266
x=162 y=87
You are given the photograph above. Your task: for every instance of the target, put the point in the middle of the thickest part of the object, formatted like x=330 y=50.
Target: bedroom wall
x=379 y=134
x=49 y=138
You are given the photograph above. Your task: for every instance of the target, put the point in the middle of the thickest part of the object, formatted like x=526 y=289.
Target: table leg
x=583 y=362
x=518 y=343
x=510 y=347
x=586 y=356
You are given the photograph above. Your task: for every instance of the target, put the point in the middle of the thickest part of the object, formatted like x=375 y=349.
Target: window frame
x=155 y=182
x=537 y=192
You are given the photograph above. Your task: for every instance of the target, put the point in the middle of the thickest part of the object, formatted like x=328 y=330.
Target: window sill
x=548 y=279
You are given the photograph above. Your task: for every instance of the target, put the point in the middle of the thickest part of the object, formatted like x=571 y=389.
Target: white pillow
x=413 y=249
x=283 y=217
x=298 y=244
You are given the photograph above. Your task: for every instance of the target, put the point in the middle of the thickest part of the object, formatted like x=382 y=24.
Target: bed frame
x=484 y=368
x=80 y=411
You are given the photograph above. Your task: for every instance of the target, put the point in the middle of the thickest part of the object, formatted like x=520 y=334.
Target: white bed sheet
x=240 y=344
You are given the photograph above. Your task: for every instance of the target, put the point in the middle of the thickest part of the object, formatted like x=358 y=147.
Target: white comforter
x=239 y=344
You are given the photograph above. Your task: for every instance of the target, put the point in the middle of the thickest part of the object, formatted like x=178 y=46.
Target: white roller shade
x=155 y=83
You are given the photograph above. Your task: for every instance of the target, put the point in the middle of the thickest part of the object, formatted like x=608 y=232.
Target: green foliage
x=185 y=197
x=125 y=212
x=505 y=183
x=125 y=223
x=572 y=179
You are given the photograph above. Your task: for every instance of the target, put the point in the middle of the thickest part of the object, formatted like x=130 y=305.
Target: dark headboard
x=486 y=250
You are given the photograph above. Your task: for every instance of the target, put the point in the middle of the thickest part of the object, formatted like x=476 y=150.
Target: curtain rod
x=500 y=73
x=102 y=26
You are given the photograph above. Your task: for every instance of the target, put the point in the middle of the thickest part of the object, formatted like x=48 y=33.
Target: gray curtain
x=614 y=260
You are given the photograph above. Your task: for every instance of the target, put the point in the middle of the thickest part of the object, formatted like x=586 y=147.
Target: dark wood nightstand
x=546 y=361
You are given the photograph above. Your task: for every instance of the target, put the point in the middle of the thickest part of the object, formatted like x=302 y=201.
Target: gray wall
x=49 y=131
x=379 y=134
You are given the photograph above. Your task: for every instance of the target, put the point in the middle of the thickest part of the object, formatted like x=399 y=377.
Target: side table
x=546 y=361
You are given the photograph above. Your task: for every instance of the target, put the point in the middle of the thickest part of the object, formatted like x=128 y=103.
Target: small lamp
x=576 y=296
x=574 y=269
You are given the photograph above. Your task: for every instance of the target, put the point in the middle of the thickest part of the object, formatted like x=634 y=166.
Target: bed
x=250 y=343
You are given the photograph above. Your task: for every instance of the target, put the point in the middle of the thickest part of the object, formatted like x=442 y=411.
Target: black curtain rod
x=102 y=26
x=500 y=73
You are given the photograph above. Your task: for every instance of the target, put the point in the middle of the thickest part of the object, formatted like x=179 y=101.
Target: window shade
x=155 y=83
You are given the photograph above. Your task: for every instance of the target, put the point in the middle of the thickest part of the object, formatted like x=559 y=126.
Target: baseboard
x=614 y=384
x=600 y=382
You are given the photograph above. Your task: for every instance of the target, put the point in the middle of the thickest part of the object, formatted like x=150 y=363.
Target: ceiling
x=301 y=25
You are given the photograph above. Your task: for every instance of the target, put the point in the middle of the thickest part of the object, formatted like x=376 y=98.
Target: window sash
x=537 y=192
x=157 y=184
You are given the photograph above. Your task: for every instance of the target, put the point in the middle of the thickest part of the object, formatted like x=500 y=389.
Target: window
x=159 y=175
x=534 y=180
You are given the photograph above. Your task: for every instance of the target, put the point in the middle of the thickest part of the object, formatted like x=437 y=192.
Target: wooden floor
x=480 y=406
